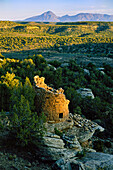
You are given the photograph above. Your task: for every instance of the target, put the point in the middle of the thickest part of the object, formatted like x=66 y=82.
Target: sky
x=22 y=9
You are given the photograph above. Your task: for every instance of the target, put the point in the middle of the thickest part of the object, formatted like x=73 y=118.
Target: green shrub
x=77 y=110
x=57 y=132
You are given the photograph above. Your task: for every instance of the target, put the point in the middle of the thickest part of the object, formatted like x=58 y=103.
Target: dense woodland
x=17 y=95
x=80 y=37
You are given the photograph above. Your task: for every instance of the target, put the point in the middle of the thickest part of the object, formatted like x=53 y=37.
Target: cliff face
x=50 y=101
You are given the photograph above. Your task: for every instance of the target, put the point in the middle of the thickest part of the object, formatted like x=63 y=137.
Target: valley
x=62 y=41
x=55 y=119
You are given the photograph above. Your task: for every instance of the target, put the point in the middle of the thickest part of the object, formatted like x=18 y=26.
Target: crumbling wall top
x=39 y=81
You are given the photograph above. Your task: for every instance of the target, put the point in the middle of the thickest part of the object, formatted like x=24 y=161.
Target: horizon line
x=56 y=15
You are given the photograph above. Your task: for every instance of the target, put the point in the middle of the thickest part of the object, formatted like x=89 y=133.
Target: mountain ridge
x=49 y=16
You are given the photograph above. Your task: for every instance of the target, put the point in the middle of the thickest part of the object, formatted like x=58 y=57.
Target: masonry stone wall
x=50 y=101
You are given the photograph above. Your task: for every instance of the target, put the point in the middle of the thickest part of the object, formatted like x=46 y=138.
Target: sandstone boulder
x=53 y=142
x=85 y=92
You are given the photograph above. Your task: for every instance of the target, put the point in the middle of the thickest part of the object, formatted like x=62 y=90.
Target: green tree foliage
x=29 y=66
x=74 y=66
x=18 y=36
x=55 y=63
x=26 y=90
x=6 y=86
x=4 y=97
x=24 y=124
x=78 y=110
x=10 y=81
x=39 y=61
x=1 y=56
x=58 y=78
x=74 y=97
x=29 y=93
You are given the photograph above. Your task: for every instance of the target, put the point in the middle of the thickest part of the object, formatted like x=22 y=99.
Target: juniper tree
x=25 y=126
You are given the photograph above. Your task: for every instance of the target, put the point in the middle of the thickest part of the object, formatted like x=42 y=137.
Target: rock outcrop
x=91 y=161
x=73 y=135
x=52 y=147
x=84 y=92
x=67 y=134
x=50 y=101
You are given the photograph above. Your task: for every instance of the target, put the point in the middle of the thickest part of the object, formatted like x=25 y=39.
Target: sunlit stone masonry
x=50 y=101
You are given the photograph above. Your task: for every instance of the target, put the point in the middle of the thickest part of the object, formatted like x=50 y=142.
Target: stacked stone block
x=50 y=101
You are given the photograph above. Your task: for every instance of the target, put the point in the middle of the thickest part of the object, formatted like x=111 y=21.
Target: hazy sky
x=18 y=10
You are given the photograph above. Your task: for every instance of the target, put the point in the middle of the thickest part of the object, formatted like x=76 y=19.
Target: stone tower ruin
x=50 y=101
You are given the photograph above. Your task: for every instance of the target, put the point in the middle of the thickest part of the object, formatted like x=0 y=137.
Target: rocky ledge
x=72 y=136
x=91 y=161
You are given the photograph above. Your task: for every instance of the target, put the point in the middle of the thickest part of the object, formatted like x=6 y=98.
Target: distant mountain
x=51 y=17
x=45 y=17
x=91 y=17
